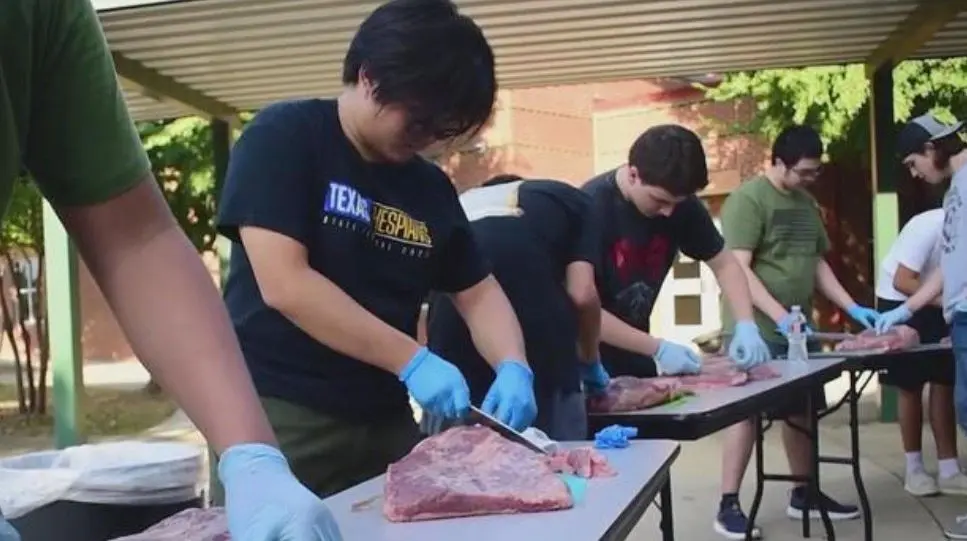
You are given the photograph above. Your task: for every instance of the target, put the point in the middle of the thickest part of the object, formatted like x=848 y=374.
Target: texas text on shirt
x=385 y=234
x=917 y=248
x=530 y=231
x=636 y=254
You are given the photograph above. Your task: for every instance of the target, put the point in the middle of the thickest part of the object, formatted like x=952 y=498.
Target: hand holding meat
x=265 y=502
x=900 y=314
x=595 y=378
x=436 y=385
x=747 y=347
x=866 y=317
x=511 y=397
x=675 y=359
x=784 y=326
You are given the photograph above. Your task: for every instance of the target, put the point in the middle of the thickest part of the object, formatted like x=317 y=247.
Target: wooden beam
x=914 y=31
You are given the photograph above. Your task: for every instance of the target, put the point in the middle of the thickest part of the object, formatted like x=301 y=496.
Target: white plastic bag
x=127 y=473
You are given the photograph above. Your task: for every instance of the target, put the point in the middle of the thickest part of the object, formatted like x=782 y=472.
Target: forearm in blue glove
x=436 y=385
x=866 y=317
x=265 y=502
x=747 y=348
x=511 y=397
x=899 y=315
x=675 y=358
x=595 y=378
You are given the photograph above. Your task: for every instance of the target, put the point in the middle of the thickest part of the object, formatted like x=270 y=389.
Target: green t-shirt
x=62 y=113
x=785 y=233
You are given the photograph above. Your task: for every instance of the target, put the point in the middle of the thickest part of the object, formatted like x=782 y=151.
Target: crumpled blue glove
x=595 y=378
x=866 y=317
x=511 y=397
x=7 y=531
x=614 y=437
x=887 y=320
x=784 y=327
x=747 y=347
x=675 y=359
x=265 y=502
x=436 y=385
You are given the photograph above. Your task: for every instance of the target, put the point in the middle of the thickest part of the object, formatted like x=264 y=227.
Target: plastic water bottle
x=797 y=337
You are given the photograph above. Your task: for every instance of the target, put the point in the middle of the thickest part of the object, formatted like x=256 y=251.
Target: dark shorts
x=912 y=374
x=328 y=454
x=797 y=405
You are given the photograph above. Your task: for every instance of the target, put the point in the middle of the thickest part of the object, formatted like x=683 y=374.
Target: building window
x=688 y=309
x=25 y=279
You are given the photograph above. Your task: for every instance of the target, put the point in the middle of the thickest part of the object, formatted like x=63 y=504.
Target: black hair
x=671 y=157
x=428 y=58
x=946 y=148
x=504 y=178
x=796 y=143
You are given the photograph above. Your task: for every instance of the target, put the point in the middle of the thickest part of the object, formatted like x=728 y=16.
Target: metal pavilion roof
x=224 y=56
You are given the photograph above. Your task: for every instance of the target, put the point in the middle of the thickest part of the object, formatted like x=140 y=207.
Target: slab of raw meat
x=898 y=338
x=468 y=471
x=584 y=462
x=188 y=525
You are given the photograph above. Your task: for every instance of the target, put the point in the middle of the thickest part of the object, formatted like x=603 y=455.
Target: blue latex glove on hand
x=747 y=347
x=866 y=317
x=595 y=378
x=511 y=397
x=436 y=385
x=900 y=314
x=675 y=359
x=7 y=532
x=265 y=502
x=784 y=327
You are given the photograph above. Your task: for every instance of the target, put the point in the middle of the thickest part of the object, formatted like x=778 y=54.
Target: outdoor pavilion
x=217 y=58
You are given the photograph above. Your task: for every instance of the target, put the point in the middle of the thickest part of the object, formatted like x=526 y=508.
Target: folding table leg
x=667 y=518
x=812 y=491
x=760 y=475
x=854 y=436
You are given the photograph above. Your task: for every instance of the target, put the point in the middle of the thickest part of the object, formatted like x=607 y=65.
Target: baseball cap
x=921 y=130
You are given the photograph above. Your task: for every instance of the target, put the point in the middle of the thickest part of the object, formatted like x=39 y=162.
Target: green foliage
x=23 y=224
x=835 y=99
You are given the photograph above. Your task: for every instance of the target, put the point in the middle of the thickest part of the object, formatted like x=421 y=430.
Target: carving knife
x=478 y=416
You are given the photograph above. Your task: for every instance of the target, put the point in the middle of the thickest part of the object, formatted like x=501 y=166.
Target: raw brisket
x=467 y=471
x=898 y=338
x=627 y=393
x=583 y=462
x=188 y=525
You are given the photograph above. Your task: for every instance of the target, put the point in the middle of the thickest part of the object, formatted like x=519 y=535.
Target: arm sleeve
x=742 y=223
x=700 y=239
x=82 y=147
x=460 y=264
x=913 y=245
x=268 y=184
x=586 y=234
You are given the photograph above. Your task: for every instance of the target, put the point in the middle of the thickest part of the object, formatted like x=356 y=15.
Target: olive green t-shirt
x=785 y=233
x=62 y=114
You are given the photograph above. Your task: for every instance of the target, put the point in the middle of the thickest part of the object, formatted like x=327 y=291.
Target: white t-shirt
x=918 y=248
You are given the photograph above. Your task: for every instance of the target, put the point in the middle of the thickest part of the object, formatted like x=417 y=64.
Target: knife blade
x=492 y=423
x=832 y=336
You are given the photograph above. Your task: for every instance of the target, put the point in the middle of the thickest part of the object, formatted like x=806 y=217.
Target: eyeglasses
x=808 y=173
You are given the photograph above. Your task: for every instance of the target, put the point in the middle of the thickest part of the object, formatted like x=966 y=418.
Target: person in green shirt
x=64 y=121
x=774 y=227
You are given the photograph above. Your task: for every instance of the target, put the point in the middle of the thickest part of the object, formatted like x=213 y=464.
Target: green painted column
x=886 y=213
x=64 y=331
x=222 y=131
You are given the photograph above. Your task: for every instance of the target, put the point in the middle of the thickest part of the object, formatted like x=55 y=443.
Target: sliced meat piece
x=468 y=471
x=764 y=371
x=188 y=525
x=896 y=339
x=627 y=393
x=583 y=462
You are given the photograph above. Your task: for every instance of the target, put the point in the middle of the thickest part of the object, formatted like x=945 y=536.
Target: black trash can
x=80 y=521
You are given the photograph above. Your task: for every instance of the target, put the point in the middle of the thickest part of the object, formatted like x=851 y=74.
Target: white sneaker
x=919 y=484
x=954 y=485
x=957 y=530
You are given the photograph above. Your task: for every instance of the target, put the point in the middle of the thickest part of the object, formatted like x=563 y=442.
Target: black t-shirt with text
x=636 y=254
x=386 y=234
x=530 y=231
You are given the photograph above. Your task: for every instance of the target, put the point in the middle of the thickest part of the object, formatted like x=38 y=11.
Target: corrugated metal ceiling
x=247 y=53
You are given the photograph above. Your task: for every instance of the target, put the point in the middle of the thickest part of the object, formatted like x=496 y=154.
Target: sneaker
x=731 y=523
x=954 y=485
x=957 y=530
x=918 y=483
x=836 y=510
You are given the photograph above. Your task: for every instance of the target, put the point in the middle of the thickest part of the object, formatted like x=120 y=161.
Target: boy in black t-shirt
x=340 y=231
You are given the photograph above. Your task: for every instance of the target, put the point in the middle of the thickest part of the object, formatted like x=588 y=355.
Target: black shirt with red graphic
x=637 y=252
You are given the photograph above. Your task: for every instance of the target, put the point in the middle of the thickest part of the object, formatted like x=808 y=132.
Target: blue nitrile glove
x=866 y=317
x=900 y=314
x=675 y=359
x=747 y=347
x=265 y=502
x=436 y=385
x=614 y=437
x=7 y=531
x=511 y=397
x=784 y=327
x=595 y=378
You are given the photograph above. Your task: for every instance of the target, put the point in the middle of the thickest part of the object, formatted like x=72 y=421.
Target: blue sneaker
x=836 y=510
x=731 y=522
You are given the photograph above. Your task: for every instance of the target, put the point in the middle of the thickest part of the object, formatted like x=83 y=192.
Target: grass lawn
x=107 y=412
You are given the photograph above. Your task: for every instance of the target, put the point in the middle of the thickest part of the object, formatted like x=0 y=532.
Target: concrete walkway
x=128 y=374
